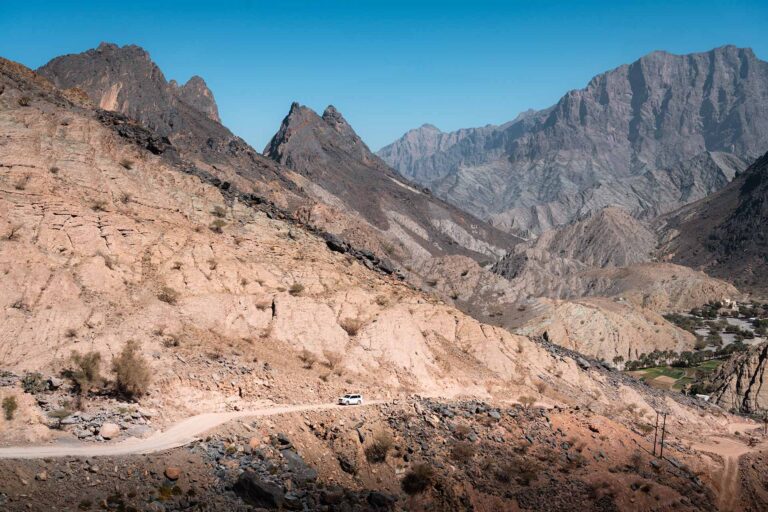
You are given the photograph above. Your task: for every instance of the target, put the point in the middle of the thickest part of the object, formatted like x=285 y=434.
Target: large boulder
x=109 y=430
x=258 y=493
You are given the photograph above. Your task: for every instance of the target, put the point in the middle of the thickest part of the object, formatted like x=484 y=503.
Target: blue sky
x=387 y=66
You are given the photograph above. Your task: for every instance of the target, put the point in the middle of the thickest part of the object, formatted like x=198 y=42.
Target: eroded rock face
x=737 y=384
x=650 y=137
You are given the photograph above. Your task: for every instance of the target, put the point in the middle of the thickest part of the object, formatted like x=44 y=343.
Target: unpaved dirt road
x=731 y=451
x=179 y=434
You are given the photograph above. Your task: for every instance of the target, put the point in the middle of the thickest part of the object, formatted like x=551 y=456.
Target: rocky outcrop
x=327 y=152
x=649 y=137
x=197 y=94
x=724 y=234
x=737 y=384
x=126 y=80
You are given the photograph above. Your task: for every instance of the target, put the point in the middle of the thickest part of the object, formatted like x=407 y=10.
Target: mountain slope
x=327 y=152
x=724 y=234
x=608 y=238
x=633 y=132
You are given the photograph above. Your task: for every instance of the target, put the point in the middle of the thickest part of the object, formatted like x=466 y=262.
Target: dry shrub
x=462 y=430
x=219 y=211
x=217 y=226
x=521 y=469
x=527 y=401
x=418 y=479
x=25 y=101
x=21 y=183
x=99 y=205
x=333 y=359
x=308 y=358
x=54 y=170
x=351 y=325
x=86 y=373
x=125 y=197
x=382 y=300
x=296 y=289
x=132 y=371
x=9 y=407
x=462 y=451
x=13 y=233
x=168 y=295
x=127 y=163
x=381 y=443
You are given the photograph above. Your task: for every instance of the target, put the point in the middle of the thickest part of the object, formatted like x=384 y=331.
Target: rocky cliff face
x=126 y=80
x=326 y=151
x=738 y=383
x=724 y=234
x=633 y=132
x=197 y=94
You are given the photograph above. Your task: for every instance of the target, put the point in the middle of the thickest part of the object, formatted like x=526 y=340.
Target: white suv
x=351 y=399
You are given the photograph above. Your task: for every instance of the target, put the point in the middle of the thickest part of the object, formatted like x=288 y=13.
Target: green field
x=668 y=377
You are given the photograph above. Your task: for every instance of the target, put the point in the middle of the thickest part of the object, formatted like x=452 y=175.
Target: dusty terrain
x=238 y=305
x=514 y=456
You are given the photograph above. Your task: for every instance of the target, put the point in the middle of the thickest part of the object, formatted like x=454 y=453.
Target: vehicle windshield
x=347 y=396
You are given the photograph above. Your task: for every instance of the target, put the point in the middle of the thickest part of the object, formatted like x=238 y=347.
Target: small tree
x=9 y=407
x=132 y=371
x=87 y=371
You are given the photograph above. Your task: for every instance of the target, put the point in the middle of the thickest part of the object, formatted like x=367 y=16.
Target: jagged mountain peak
x=126 y=79
x=197 y=94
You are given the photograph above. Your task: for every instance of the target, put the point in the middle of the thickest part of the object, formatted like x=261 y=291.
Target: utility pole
x=655 y=433
x=663 y=431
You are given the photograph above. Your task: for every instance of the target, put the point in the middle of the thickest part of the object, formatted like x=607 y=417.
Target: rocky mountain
x=126 y=80
x=339 y=169
x=111 y=232
x=649 y=137
x=607 y=238
x=197 y=94
x=724 y=234
x=322 y=174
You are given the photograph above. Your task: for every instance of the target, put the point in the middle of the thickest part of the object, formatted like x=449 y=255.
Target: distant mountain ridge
x=635 y=137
